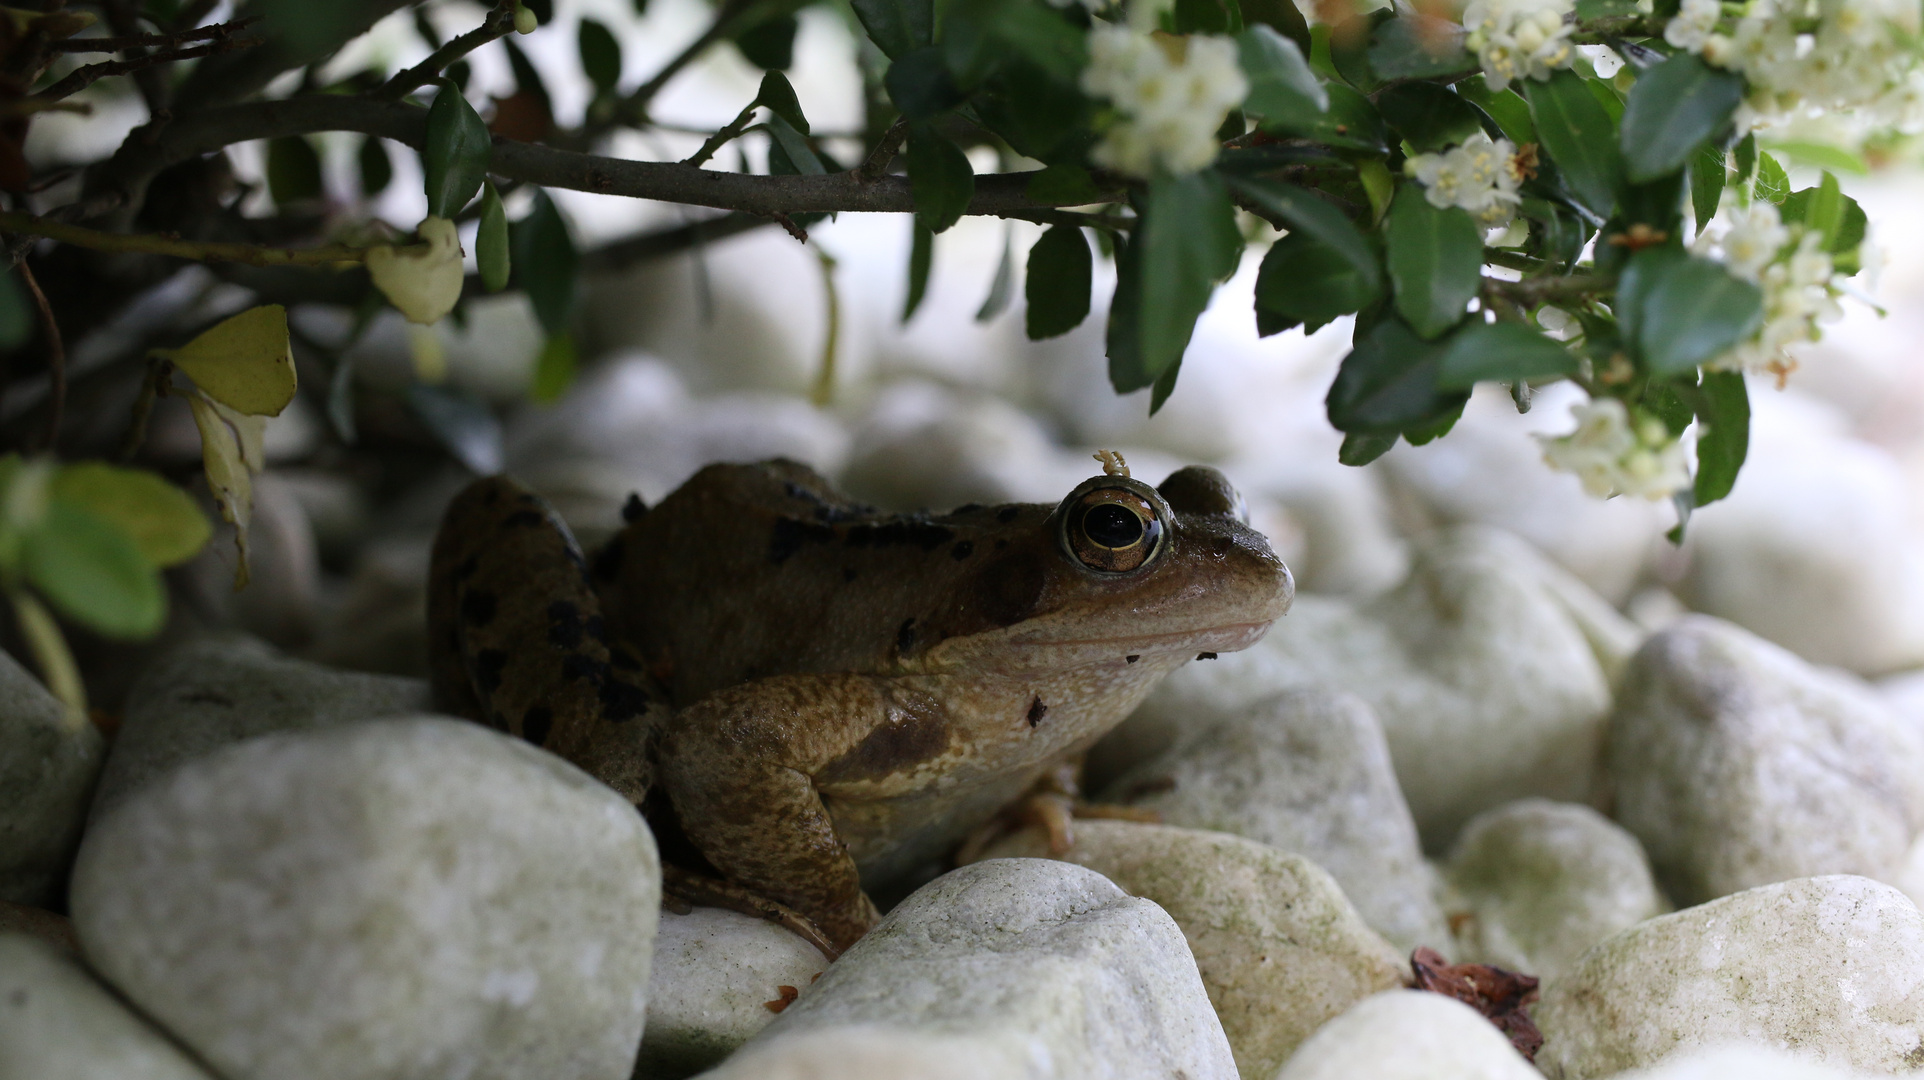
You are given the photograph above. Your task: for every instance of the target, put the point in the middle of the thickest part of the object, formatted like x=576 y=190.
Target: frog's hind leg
x=516 y=638
x=693 y=888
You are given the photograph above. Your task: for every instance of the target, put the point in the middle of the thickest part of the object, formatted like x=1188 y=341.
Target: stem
x=722 y=138
x=497 y=25
x=51 y=656
x=1532 y=291
x=824 y=391
x=158 y=372
x=149 y=41
x=884 y=153
x=150 y=244
x=56 y=359
x=81 y=78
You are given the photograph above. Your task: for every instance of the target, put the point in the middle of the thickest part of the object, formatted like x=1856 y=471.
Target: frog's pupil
x=1112 y=526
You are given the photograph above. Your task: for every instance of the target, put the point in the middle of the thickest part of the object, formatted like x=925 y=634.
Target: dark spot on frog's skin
x=915 y=731
x=921 y=533
x=522 y=518
x=608 y=560
x=478 y=607
x=577 y=666
x=1000 y=544
x=905 y=636
x=1205 y=656
x=488 y=665
x=1037 y=710
x=962 y=550
x=1133 y=657
x=564 y=625
x=848 y=573
x=788 y=536
x=634 y=509
x=535 y=724
x=1008 y=514
x=621 y=701
x=466 y=569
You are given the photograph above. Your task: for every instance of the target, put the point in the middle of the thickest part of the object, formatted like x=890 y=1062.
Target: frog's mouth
x=1231 y=637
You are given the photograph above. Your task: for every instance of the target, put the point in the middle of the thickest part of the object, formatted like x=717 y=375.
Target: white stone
x=1487 y=667
x=1019 y=968
x=1832 y=967
x=1306 y=771
x=391 y=899
x=1408 y=1035
x=1543 y=881
x=47 y=773
x=213 y=691
x=1279 y=947
x=57 y=1023
x=715 y=973
x=1737 y=764
x=1742 y=1061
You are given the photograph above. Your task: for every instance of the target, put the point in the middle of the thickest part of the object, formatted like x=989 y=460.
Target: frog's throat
x=1232 y=637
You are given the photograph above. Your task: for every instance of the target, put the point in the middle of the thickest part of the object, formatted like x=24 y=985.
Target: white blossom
x=1790 y=264
x=1801 y=58
x=1617 y=453
x=1519 y=39
x=1480 y=176
x=1694 y=22
x=1172 y=94
x=423 y=280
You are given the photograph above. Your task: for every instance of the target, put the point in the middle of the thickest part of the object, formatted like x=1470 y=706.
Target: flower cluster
x=1616 y=452
x=1480 y=176
x=1519 y=39
x=1802 y=57
x=1172 y=93
x=1790 y=265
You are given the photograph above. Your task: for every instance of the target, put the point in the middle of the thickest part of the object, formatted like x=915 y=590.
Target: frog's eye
x=1112 y=528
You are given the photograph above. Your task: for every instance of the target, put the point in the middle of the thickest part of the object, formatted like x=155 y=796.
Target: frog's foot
x=692 y=888
x=1054 y=814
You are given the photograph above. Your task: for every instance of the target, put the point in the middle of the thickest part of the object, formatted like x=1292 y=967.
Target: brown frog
x=828 y=695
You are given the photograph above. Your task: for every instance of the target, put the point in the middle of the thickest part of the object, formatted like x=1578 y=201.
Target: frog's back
x=752 y=570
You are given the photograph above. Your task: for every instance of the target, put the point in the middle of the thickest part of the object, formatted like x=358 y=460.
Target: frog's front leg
x=742 y=766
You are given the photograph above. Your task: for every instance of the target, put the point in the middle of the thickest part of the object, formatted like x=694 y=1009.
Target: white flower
x=1518 y=39
x=1795 y=272
x=1172 y=93
x=1693 y=24
x=1616 y=454
x=423 y=281
x=1480 y=176
x=1753 y=239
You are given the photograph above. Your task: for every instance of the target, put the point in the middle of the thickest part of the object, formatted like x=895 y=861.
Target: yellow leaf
x=423 y=280
x=161 y=519
x=245 y=363
x=230 y=451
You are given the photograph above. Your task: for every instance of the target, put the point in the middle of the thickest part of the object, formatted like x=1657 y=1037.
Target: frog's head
x=1120 y=570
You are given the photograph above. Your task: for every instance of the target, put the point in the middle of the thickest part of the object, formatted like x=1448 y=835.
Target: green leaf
x=1428 y=116
x=1002 y=285
x=600 y=55
x=1723 y=434
x=94 y=574
x=245 y=362
x=1349 y=42
x=165 y=524
x=1187 y=241
x=16 y=312
x=293 y=170
x=1501 y=352
x=1821 y=155
x=457 y=153
x=940 y=178
x=1828 y=210
x=546 y=264
x=1351 y=123
x=896 y=26
x=1431 y=430
x=1773 y=185
x=1207 y=17
x=1746 y=158
x=770 y=43
x=1282 y=88
x=1505 y=108
x=1435 y=258
x=1678 y=311
x=921 y=86
x=1576 y=133
x=789 y=153
x=921 y=254
x=1387 y=383
x=1280 y=15
x=491 y=241
x=527 y=80
x=1360 y=448
x=554 y=369
x=1059 y=281
x=1674 y=109
x=1307 y=281
x=1317 y=218
x=1707 y=172
x=377 y=168
x=779 y=97
x=1416 y=46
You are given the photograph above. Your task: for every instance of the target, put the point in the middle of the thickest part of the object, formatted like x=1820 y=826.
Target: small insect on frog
x=812 y=694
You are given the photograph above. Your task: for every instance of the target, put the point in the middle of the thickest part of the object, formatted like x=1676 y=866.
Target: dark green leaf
x=16 y=312
x=1723 y=434
x=1607 y=97
x=1164 y=386
x=293 y=170
x=1349 y=48
x=1360 y=448
x=1059 y=282
x=457 y=153
x=377 y=169
x=1282 y=88
x=939 y=177
x=1435 y=259
x=779 y=98
x=1773 y=185
x=94 y=574
x=600 y=55
x=1678 y=311
x=1416 y=46
x=424 y=28
x=1351 y=123
x=1501 y=352
x=1062 y=185
x=1431 y=430
x=1002 y=285
x=1674 y=108
x=1576 y=133
x=920 y=84
x=1707 y=171
x=491 y=241
x=896 y=26
x=921 y=254
x=526 y=79
x=1304 y=280
x=1281 y=16
x=769 y=44
x=1428 y=116
x=543 y=10
x=1828 y=210
x=464 y=425
x=1307 y=213
x=1039 y=115
x=1387 y=383
x=546 y=264
x=1207 y=17
x=788 y=152
x=1123 y=336
x=1557 y=233
x=1187 y=241
x=1664 y=398
x=1746 y=158
x=1605 y=9
x=554 y=369
x=1505 y=108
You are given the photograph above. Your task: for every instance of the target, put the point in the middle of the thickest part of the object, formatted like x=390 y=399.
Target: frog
x=815 y=699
